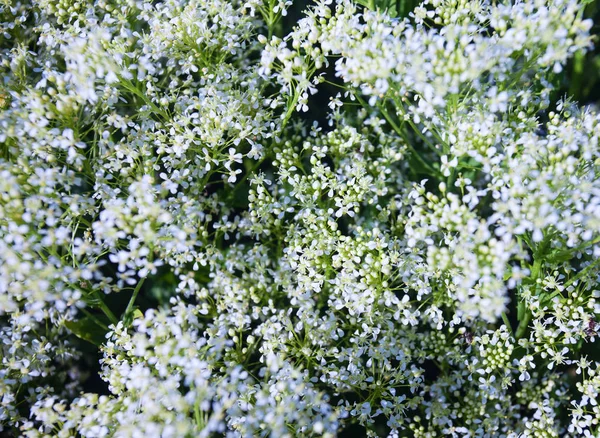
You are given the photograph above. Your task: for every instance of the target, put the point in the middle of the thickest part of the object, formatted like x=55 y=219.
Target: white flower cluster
x=423 y=264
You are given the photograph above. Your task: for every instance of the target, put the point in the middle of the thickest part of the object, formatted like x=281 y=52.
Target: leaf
x=394 y=8
x=364 y=3
x=88 y=330
x=128 y=318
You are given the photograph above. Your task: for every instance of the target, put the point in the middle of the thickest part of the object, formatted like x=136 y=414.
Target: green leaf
x=128 y=318
x=88 y=329
x=364 y=3
x=394 y=8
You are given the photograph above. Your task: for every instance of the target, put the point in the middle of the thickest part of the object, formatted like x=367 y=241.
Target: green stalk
x=569 y=252
x=95 y=320
x=524 y=323
x=582 y=273
x=111 y=316
x=507 y=322
x=136 y=291
x=399 y=131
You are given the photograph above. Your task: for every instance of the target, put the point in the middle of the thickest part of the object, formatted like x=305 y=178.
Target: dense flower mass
x=188 y=249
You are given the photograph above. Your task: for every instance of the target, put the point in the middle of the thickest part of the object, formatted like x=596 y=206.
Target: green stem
x=290 y=110
x=523 y=325
x=136 y=291
x=507 y=322
x=270 y=21
x=575 y=278
x=111 y=316
x=399 y=131
x=264 y=157
x=415 y=128
x=577 y=73
x=566 y=253
x=129 y=86
x=248 y=173
x=535 y=275
x=95 y=320
x=582 y=273
x=198 y=414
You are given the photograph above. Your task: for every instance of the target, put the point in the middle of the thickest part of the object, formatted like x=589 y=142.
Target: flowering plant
x=381 y=218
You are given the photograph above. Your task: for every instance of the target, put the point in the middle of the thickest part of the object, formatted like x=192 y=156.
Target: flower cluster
x=186 y=251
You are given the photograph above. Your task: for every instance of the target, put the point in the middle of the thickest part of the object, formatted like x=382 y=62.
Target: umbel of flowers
x=421 y=263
